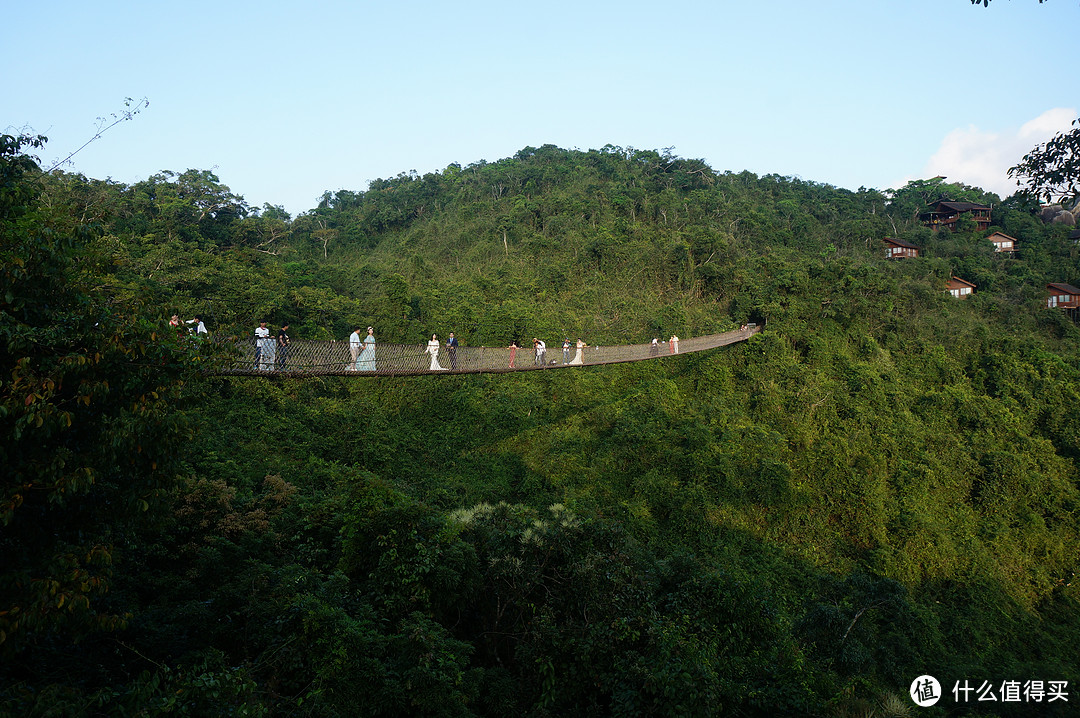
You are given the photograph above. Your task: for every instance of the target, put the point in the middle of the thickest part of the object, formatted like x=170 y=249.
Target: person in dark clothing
x=282 y=346
x=451 y=350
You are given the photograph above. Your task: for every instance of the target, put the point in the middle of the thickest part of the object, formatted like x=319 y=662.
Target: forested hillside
x=881 y=484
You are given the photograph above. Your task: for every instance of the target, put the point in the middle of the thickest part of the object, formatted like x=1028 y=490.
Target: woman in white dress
x=578 y=355
x=365 y=361
x=433 y=350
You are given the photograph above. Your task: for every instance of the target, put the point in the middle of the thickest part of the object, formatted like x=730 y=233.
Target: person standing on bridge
x=197 y=327
x=433 y=350
x=674 y=344
x=451 y=350
x=354 y=350
x=579 y=355
x=282 y=345
x=262 y=347
x=366 y=360
x=541 y=352
x=513 y=352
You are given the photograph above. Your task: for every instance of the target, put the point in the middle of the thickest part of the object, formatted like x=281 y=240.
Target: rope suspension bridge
x=311 y=358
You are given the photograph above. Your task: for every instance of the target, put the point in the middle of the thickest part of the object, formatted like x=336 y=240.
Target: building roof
x=899 y=243
x=1003 y=236
x=957 y=283
x=960 y=206
x=1062 y=287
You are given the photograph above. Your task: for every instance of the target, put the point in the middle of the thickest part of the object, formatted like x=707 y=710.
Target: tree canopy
x=88 y=439
x=880 y=484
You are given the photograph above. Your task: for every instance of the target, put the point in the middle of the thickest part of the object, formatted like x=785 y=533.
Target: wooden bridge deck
x=306 y=359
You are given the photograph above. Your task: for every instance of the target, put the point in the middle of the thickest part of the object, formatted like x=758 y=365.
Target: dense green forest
x=881 y=484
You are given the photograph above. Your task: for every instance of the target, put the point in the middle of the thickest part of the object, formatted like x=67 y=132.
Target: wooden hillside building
x=1003 y=243
x=1062 y=296
x=945 y=214
x=899 y=249
x=960 y=288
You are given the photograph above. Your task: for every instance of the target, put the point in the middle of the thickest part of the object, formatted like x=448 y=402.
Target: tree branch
x=122 y=117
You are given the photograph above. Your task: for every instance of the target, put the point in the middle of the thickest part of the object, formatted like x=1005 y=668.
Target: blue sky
x=286 y=100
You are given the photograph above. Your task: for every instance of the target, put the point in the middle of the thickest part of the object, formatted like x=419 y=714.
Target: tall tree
x=88 y=438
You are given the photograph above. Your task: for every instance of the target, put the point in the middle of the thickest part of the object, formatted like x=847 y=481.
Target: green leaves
x=1052 y=168
x=88 y=437
x=768 y=529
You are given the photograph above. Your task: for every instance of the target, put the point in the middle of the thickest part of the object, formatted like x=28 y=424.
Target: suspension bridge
x=263 y=357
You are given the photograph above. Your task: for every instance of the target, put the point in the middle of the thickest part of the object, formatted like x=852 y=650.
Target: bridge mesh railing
x=311 y=358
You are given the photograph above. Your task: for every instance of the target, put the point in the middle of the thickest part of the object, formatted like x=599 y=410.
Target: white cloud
x=1047 y=124
x=983 y=158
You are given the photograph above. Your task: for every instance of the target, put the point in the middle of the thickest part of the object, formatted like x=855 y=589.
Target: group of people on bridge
x=540 y=353
x=362 y=352
x=194 y=326
x=272 y=352
x=268 y=351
